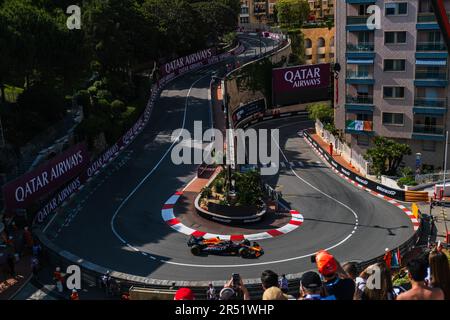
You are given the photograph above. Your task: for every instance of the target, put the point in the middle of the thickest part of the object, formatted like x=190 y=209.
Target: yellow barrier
x=415 y=210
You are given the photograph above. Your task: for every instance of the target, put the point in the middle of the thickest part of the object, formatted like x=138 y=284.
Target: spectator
x=211 y=293
x=269 y=282
x=59 y=279
x=269 y=279
x=284 y=284
x=385 y=291
x=28 y=238
x=105 y=282
x=311 y=288
x=184 y=294
x=274 y=293
x=351 y=268
x=36 y=249
x=233 y=291
x=337 y=282
x=439 y=271
x=35 y=266
x=417 y=272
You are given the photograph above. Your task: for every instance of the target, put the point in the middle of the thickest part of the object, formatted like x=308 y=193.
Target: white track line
x=157 y=164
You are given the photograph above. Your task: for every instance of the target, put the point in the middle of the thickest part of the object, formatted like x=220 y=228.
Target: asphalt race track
x=116 y=223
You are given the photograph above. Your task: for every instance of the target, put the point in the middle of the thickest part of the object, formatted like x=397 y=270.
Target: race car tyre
x=243 y=252
x=196 y=250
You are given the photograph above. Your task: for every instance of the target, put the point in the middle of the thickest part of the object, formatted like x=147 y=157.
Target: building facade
x=393 y=80
x=321 y=9
x=254 y=12
x=319 y=45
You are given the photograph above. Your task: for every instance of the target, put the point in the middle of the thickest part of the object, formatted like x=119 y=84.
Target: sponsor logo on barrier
x=391 y=192
x=58 y=199
x=334 y=164
x=347 y=173
x=364 y=182
x=183 y=64
x=23 y=191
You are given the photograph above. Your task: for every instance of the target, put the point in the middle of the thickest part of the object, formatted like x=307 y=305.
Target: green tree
x=292 y=13
x=321 y=111
x=386 y=155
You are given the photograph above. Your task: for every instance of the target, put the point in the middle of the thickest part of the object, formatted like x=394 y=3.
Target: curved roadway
x=117 y=222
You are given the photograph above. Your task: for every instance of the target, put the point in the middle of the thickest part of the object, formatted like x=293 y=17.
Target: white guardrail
x=356 y=159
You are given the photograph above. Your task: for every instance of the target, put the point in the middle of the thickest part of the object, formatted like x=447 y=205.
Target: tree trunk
x=2 y=88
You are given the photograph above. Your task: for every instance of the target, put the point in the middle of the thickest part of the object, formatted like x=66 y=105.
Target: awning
x=431 y=62
x=359 y=61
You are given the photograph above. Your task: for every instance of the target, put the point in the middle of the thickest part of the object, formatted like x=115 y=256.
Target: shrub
x=406 y=181
x=118 y=107
x=92 y=90
x=104 y=94
x=218 y=185
x=206 y=192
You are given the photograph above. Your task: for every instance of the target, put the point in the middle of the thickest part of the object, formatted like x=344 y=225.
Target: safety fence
x=351 y=156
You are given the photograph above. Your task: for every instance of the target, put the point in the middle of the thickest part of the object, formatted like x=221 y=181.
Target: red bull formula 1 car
x=218 y=246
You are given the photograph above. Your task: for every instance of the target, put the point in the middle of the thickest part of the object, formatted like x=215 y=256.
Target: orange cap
x=326 y=264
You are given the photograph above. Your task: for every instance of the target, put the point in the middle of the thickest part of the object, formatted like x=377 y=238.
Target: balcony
x=359 y=127
x=430 y=106
x=359 y=99
x=359 y=77
x=308 y=51
x=424 y=17
x=431 y=46
x=430 y=102
x=428 y=129
x=357 y=20
x=361 y=47
x=425 y=75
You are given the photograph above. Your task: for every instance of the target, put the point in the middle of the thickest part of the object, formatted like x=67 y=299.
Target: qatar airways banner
x=187 y=63
x=301 y=84
x=27 y=189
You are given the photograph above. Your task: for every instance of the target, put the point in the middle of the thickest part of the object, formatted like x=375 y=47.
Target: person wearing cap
x=336 y=281
x=184 y=294
x=311 y=287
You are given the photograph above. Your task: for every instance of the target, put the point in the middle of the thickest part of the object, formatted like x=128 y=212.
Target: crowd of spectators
x=428 y=275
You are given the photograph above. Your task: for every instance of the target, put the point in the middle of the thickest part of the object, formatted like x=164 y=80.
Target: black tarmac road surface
x=121 y=212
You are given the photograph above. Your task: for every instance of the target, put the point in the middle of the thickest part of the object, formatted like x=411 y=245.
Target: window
x=393 y=118
x=394 y=92
x=394 y=65
x=429 y=145
x=396 y=8
x=363 y=9
x=245 y=20
x=393 y=37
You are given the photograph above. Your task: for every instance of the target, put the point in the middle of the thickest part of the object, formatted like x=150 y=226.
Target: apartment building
x=321 y=9
x=394 y=80
x=254 y=12
x=319 y=45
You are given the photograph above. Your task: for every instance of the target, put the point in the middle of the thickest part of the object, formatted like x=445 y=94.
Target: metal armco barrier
x=372 y=185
